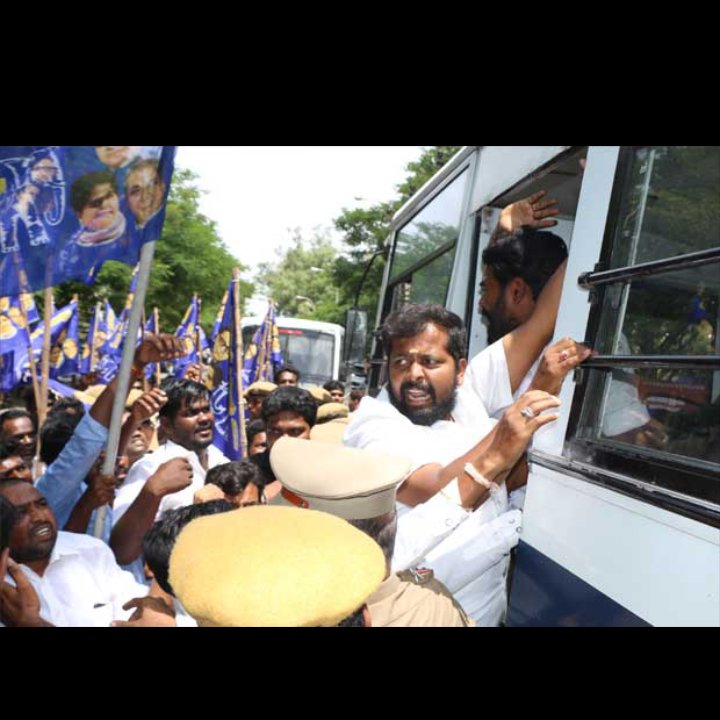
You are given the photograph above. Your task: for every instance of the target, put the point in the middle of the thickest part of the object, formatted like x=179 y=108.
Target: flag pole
x=142 y=338
x=123 y=376
x=94 y=346
x=45 y=363
x=156 y=315
x=239 y=354
x=198 y=349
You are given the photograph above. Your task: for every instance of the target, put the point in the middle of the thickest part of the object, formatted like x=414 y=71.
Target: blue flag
x=14 y=342
x=152 y=326
x=65 y=356
x=187 y=331
x=65 y=210
x=263 y=355
x=218 y=318
x=226 y=396
x=90 y=346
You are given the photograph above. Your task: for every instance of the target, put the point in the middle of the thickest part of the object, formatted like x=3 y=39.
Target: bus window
x=649 y=406
x=425 y=247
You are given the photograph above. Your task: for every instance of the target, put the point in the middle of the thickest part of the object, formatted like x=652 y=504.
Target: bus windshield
x=310 y=351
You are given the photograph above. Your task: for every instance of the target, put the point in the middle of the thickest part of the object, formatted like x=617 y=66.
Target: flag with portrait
x=263 y=355
x=65 y=210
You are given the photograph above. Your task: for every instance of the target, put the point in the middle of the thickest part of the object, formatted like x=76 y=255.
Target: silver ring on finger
x=528 y=412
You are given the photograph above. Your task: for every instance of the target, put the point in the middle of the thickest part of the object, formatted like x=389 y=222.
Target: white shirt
x=143 y=469
x=468 y=551
x=82 y=586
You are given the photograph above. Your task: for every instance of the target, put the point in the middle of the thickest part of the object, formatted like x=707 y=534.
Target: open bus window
x=668 y=205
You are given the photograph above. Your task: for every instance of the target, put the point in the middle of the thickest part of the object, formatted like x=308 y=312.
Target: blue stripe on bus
x=544 y=594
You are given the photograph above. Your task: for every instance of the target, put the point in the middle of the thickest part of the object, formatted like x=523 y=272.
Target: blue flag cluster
x=228 y=390
x=65 y=210
x=189 y=330
x=263 y=355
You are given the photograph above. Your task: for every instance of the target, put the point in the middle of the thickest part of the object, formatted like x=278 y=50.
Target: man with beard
x=75 y=579
x=17 y=431
x=168 y=477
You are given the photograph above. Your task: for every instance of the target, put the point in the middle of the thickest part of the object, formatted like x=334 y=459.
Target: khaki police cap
x=321 y=395
x=331 y=431
x=350 y=483
x=261 y=387
x=274 y=567
x=331 y=410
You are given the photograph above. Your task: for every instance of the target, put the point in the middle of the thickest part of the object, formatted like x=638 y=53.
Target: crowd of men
x=397 y=510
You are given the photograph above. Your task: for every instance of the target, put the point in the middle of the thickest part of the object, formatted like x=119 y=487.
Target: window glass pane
x=671 y=204
x=430 y=283
x=668 y=412
x=674 y=313
x=435 y=225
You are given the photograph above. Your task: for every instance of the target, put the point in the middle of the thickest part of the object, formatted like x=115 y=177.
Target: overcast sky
x=255 y=194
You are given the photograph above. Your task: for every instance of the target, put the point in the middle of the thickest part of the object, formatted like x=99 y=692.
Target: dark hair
x=160 y=539
x=357 y=619
x=14 y=414
x=8 y=518
x=233 y=477
x=138 y=164
x=182 y=394
x=412 y=319
x=67 y=406
x=383 y=530
x=333 y=385
x=533 y=255
x=82 y=188
x=287 y=368
x=54 y=435
x=253 y=428
x=293 y=399
x=8 y=449
x=357 y=394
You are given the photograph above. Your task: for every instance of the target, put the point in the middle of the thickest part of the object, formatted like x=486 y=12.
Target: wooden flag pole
x=95 y=346
x=45 y=363
x=142 y=338
x=156 y=316
x=198 y=349
x=239 y=356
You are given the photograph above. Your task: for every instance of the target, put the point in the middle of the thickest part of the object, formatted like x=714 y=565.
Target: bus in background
x=313 y=347
x=622 y=512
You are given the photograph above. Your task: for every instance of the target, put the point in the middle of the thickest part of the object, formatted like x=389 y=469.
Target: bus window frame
x=637 y=473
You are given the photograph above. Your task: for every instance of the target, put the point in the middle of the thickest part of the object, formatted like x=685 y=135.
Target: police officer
x=359 y=486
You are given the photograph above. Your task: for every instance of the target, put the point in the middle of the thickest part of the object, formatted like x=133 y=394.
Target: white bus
x=617 y=530
x=313 y=347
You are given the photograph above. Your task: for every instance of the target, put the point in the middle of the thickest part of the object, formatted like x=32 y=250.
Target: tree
x=189 y=257
x=367 y=230
x=304 y=271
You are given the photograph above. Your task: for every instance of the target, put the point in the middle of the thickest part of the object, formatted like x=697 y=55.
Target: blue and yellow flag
x=65 y=355
x=89 y=358
x=14 y=343
x=263 y=355
x=218 y=318
x=187 y=331
x=152 y=326
x=13 y=307
x=228 y=390
x=65 y=210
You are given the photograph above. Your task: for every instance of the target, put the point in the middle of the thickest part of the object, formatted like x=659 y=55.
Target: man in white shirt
x=75 y=578
x=169 y=477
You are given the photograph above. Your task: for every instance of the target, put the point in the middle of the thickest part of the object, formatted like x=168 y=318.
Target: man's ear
x=461 y=367
x=518 y=291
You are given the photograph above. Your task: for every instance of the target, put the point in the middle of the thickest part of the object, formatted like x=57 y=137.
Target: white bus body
x=313 y=347
x=615 y=532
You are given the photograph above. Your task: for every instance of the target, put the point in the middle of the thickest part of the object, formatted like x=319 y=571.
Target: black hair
x=357 y=619
x=253 y=428
x=287 y=368
x=412 y=319
x=533 y=255
x=383 y=530
x=55 y=434
x=160 y=539
x=233 y=477
x=8 y=518
x=83 y=187
x=357 y=394
x=67 y=406
x=8 y=449
x=14 y=414
x=331 y=385
x=292 y=399
x=182 y=394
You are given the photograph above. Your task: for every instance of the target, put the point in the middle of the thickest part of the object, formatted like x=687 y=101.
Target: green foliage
x=305 y=270
x=189 y=257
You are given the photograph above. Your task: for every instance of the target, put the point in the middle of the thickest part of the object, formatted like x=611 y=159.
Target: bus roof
x=297 y=323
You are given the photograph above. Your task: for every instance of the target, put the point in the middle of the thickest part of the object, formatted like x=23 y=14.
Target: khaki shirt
x=422 y=602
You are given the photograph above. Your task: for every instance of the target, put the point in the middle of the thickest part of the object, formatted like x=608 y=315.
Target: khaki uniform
x=415 y=599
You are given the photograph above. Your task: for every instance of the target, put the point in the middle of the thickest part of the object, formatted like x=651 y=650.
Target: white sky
x=256 y=194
